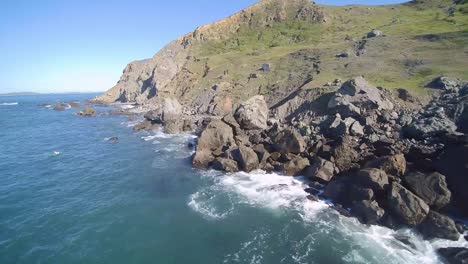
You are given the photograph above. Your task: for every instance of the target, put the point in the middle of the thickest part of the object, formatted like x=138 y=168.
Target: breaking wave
x=8 y=104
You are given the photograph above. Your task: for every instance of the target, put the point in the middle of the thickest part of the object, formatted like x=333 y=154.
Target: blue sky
x=83 y=45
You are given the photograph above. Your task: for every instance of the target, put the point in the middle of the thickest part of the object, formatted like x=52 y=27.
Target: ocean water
x=67 y=195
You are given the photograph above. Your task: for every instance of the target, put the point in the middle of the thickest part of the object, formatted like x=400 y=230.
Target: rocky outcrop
x=454 y=255
x=368 y=212
x=321 y=170
x=393 y=165
x=253 y=114
x=246 y=158
x=356 y=97
x=215 y=136
x=374 y=179
x=87 y=111
x=289 y=141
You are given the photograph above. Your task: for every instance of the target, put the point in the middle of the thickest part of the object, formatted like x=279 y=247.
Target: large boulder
x=393 y=165
x=295 y=166
x=432 y=188
x=372 y=178
x=438 y=226
x=289 y=141
x=202 y=159
x=454 y=255
x=253 y=114
x=346 y=157
x=453 y=164
x=227 y=165
x=434 y=126
x=368 y=212
x=216 y=135
x=409 y=208
x=357 y=96
x=246 y=158
x=321 y=170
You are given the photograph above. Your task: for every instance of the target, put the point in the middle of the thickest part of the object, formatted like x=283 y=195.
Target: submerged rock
x=87 y=111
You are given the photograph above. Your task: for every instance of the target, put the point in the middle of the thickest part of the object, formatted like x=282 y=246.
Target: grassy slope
x=403 y=58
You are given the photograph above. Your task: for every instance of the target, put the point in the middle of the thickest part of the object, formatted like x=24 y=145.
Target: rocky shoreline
x=384 y=158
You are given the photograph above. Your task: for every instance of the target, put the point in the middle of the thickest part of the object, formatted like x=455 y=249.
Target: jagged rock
x=356 y=129
x=166 y=109
x=410 y=209
x=220 y=106
x=246 y=158
x=253 y=114
x=372 y=178
x=433 y=126
x=321 y=170
x=452 y=164
x=368 y=212
x=445 y=83
x=289 y=141
x=454 y=255
x=357 y=96
x=217 y=134
x=438 y=226
x=432 y=188
x=226 y=165
x=295 y=166
x=374 y=33
x=393 y=165
x=202 y=159
x=87 y=111
x=461 y=116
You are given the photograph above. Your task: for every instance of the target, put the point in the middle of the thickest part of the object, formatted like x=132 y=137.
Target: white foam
x=127 y=107
x=279 y=193
x=8 y=104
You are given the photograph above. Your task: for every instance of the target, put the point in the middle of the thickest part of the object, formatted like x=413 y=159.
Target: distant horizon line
x=44 y=93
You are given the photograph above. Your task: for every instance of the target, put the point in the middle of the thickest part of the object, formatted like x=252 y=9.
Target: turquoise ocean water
x=67 y=195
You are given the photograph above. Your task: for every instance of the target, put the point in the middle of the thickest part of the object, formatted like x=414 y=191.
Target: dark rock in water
x=337 y=190
x=60 y=107
x=246 y=158
x=74 y=104
x=113 y=139
x=216 y=135
x=393 y=165
x=289 y=141
x=145 y=125
x=453 y=164
x=295 y=166
x=321 y=170
x=357 y=96
x=445 y=83
x=410 y=209
x=372 y=178
x=253 y=114
x=368 y=212
x=202 y=159
x=454 y=255
x=342 y=211
x=432 y=188
x=87 y=111
x=226 y=165
x=438 y=226
x=374 y=33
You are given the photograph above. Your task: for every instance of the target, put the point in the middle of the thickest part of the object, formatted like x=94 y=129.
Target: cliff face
x=277 y=47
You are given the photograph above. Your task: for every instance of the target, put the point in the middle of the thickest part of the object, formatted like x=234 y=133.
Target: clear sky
x=83 y=45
